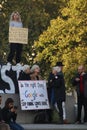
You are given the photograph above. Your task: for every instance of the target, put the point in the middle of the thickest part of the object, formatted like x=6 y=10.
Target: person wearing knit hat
x=25 y=73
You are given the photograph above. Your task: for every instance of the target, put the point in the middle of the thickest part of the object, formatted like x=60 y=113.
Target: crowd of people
x=56 y=94
x=57 y=90
x=55 y=86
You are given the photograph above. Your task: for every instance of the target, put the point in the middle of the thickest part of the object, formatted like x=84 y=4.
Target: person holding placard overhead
x=15 y=48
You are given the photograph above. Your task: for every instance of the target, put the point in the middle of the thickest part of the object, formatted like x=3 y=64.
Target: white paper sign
x=18 y=35
x=33 y=95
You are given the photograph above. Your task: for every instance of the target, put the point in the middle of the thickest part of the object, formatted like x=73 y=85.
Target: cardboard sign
x=33 y=95
x=18 y=35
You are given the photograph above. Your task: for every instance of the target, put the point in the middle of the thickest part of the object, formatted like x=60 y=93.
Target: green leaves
x=57 y=32
x=65 y=38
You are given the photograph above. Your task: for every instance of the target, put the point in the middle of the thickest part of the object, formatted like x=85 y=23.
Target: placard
x=18 y=35
x=33 y=95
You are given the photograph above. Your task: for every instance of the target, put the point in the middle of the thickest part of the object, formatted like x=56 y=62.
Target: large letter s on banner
x=7 y=79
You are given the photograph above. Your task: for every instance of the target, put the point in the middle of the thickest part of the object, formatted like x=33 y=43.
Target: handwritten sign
x=18 y=35
x=33 y=95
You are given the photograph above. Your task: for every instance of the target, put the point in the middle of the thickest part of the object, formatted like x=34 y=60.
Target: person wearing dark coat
x=25 y=73
x=3 y=125
x=56 y=83
x=80 y=82
x=9 y=115
x=60 y=65
x=1 y=118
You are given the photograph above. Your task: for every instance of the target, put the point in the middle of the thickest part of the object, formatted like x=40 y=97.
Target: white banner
x=33 y=95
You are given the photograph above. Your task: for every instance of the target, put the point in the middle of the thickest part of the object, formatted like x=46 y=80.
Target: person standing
x=15 y=48
x=56 y=84
x=60 y=65
x=25 y=73
x=80 y=81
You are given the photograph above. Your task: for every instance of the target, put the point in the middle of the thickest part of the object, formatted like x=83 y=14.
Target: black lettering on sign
x=30 y=104
x=39 y=85
x=33 y=85
x=44 y=103
x=37 y=103
x=23 y=104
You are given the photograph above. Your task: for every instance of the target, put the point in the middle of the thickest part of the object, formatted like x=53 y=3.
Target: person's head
x=15 y=16
x=35 y=69
x=81 y=69
x=0 y=99
x=55 y=70
x=26 y=69
x=9 y=103
x=60 y=64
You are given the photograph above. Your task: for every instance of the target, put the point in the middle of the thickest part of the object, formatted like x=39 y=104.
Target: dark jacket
x=8 y=116
x=57 y=83
x=77 y=84
x=1 y=117
x=24 y=76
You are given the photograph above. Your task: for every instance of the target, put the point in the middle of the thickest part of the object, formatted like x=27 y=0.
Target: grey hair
x=25 y=67
x=34 y=67
x=56 y=68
